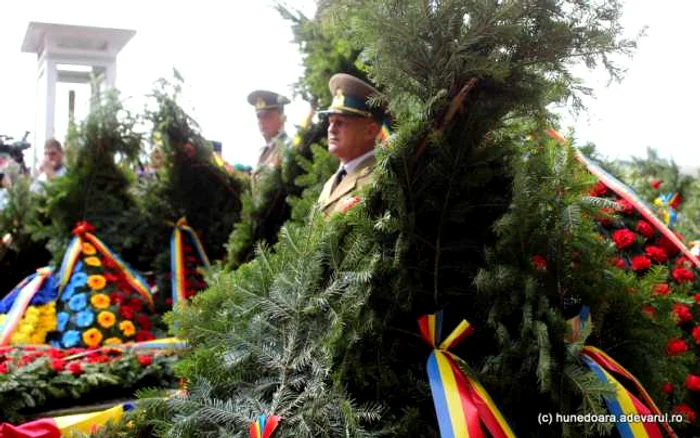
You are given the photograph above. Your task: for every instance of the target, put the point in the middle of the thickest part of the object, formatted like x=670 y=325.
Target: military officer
x=269 y=107
x=353 y=130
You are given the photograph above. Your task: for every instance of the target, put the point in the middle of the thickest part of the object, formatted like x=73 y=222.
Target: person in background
x=269 y=108
x=9 y=172
x=353 y=132
x=53 y=165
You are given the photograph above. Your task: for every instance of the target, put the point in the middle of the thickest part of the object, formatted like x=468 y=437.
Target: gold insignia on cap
x=338 y=99
x=260 y=103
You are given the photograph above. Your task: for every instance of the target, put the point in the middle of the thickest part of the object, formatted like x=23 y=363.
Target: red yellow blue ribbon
x=628 y=194
x=462 y=405
x=56 y=427
x=28 y=288
x=72 y=256
x=643 y=404
x=177 y=258
x=623 y=405
x=264 y=426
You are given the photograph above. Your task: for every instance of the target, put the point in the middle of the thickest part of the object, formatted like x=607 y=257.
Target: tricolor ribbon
x=385 y=133
x=668 y=204
x=264 y=426
x=623 y=404
x=75 y=247
x=462 y=405
x=628 y=194
x=177 y=258
x=56 y=427
x=28 y=288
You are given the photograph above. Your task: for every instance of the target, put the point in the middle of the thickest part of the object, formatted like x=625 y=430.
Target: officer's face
x=270 y=123
x=350 y=137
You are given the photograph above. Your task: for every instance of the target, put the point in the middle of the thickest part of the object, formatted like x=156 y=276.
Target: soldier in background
x=269 y=108
x=353 y=132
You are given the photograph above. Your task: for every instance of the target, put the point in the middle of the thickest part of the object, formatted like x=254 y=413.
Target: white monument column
x=69 y=54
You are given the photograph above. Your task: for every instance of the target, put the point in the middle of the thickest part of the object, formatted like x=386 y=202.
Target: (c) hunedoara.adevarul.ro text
x=548 y=418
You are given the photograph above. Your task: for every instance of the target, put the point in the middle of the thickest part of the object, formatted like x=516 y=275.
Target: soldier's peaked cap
x=350 y=97
x=265 y=100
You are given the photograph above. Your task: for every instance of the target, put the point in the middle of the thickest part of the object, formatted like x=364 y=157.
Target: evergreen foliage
x=189 y=184
x=268 y=343
x=323 y=330
x=96 y=186
x=22 y=256
x=549 y=261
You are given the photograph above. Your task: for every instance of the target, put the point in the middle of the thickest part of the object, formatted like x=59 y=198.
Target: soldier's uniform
x=272 y=154
x=350 y=98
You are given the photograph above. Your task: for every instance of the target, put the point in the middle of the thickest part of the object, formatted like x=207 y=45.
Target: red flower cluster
x=645 y=229
x=72 y=361
x=676 y=347
x=623 y=238
x=640 y=263
x=539 y=262
x=682 y=275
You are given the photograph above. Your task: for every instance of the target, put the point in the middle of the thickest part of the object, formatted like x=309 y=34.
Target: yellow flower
x=93 y=261
x=38 y=338
x=92 y=337
x=88 y=249
x=127 y=327
x=19 y=339
x=96 y=282
x=99 y=301
x=106 y=319
x=112 y=341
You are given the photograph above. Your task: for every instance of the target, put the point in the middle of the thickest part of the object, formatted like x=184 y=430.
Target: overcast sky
x=224 y=53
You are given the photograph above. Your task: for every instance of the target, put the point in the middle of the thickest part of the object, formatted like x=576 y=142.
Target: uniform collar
x=354 y=163
x=282 y=134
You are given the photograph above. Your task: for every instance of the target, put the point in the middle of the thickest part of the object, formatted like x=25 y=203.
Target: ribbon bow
x=624 y=404
x=264 y=426
x=82 y=228
x=461 y=403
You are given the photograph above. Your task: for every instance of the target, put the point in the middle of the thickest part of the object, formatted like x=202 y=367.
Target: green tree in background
x=322 y=328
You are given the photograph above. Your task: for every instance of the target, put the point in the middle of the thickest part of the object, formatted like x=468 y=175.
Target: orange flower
x=106 y=319
x=92 y=337
x=92 y=261
x=99 y=301
x=96 y=282
x=88 y=249
x=113 y=341
x=127 y=327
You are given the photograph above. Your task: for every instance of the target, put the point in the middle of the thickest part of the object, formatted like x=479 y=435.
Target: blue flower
x=68 y=292
x=78 y=302
x=79 y=279
x=71 y=338
x=84 y=319
x=55 y=344
x=62 y=321
x=78 y=266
